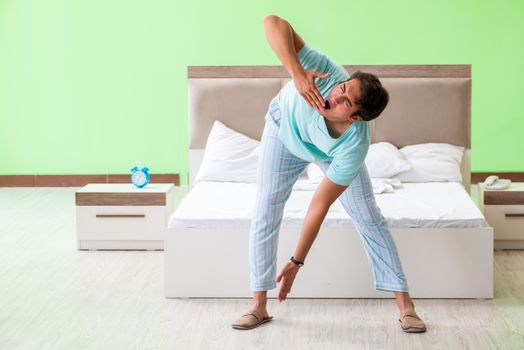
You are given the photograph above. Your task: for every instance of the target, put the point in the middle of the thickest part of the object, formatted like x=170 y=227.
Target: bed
x=445 y=244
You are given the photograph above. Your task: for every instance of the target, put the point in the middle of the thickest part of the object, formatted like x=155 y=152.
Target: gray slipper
x=250 y=320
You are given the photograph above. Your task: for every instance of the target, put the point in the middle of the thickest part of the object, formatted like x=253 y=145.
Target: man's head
x=361 y=97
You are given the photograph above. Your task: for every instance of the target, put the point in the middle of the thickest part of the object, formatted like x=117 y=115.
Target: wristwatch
x=296 y=262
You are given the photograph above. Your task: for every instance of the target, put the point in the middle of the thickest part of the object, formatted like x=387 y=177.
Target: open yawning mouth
x=327 y=105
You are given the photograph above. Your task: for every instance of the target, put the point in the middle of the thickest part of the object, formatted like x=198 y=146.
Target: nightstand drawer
x=121 y=222
x=507 y=220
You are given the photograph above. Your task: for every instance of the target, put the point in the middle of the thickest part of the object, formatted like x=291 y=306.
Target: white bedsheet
x=231 y=205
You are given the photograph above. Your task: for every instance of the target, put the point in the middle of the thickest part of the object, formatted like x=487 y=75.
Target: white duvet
x=231 y=205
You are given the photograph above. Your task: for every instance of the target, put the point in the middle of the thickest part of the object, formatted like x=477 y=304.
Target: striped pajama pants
x=278 y=170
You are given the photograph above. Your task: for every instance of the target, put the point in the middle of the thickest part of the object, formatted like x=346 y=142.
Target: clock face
x=138 y=178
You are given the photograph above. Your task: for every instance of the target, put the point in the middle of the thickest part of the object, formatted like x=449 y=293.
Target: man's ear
x=355 y=118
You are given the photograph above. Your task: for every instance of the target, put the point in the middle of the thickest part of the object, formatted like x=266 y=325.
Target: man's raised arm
x=286 y=43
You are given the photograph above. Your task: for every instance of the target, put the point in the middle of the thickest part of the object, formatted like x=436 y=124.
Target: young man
x=321 y=116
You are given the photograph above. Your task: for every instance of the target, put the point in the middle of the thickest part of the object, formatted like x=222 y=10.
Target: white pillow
x=384 y=160
x=228 y=156
x=432 y=162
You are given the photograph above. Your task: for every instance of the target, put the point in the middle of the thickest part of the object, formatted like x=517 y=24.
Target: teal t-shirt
x=304 y=132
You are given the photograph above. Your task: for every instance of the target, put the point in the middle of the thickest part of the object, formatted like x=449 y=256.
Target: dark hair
x=374 y=97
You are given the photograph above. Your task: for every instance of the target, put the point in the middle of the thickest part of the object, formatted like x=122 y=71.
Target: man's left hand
x=287 y=275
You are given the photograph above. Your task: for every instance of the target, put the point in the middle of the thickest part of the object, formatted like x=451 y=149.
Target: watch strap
x=296 y=262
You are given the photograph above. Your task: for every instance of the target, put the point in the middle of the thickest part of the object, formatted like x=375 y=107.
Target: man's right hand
x=305 y=85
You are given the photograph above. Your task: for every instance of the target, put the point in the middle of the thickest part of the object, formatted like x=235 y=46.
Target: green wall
x=91 y=86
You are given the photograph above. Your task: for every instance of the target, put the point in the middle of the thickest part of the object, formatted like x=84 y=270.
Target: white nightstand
x=504 y=211
x=121 y=216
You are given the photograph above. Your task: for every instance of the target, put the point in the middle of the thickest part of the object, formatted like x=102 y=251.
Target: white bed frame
x=438 y=262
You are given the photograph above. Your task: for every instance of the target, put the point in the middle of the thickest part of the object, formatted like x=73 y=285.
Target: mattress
x=231 y=205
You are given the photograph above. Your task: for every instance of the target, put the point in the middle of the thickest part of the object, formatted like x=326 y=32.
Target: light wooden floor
x=55 y=297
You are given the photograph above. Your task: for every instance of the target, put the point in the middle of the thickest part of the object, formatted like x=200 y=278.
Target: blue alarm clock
x=140 y=176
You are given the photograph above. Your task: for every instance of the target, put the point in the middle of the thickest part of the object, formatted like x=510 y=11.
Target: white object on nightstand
x=494 y=183
x=122 y=216
x=504 y=211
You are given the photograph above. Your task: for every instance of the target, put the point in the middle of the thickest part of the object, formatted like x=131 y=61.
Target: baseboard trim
x=513 y=176
x=81 y=180
x=77 y=180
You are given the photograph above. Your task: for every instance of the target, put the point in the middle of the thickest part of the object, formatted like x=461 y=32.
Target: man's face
x=342 y=101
